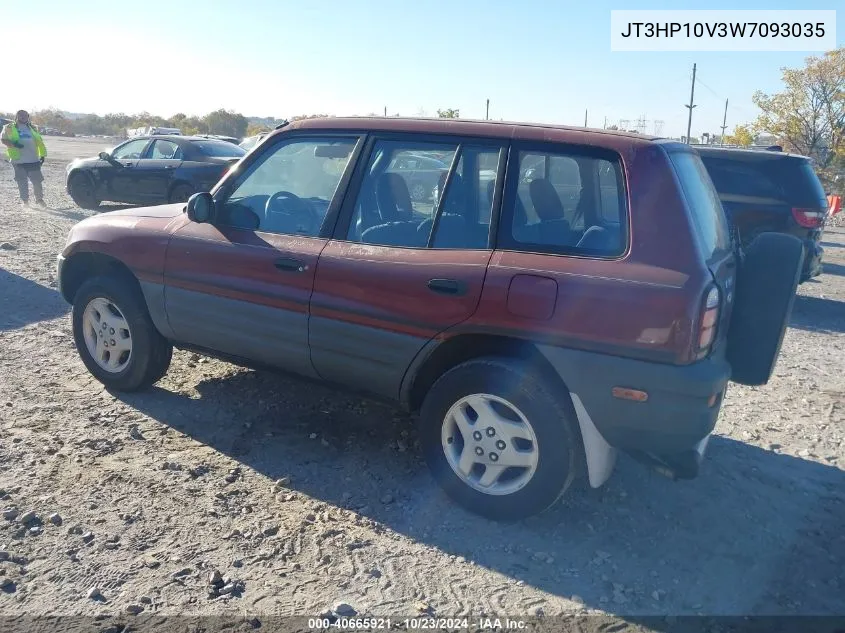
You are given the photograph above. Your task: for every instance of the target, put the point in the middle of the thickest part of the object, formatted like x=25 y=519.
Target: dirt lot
x=141 y=497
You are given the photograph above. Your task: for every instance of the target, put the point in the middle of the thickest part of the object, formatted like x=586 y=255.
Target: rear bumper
x=671 y=426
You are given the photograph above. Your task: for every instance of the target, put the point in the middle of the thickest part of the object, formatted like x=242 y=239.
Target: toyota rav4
x=565 y=294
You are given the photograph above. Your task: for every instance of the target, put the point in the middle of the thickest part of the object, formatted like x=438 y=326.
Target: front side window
x=290 y=188
x=424 y=195
x=566 y=203
x=132 y=150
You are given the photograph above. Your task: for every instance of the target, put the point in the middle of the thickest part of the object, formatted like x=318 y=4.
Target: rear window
x=219 y=149
x=703 y=202
x=787 y=181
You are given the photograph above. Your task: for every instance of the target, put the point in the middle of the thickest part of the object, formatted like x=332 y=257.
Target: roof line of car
x=388 y=123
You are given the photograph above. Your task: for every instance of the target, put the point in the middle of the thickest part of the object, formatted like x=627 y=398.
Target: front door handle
x=291 y=265
x=447 y=287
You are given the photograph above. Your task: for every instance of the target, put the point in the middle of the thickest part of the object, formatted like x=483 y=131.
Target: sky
x=535 y=60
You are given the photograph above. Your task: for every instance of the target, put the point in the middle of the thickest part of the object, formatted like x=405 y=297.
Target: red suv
x=567 y=293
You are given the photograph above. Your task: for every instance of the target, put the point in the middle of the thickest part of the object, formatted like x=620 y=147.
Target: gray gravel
x=357 y=519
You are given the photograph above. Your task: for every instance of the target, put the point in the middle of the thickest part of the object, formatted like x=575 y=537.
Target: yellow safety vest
x=11 y=133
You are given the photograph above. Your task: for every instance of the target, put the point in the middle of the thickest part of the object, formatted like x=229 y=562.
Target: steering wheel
x=288 y=213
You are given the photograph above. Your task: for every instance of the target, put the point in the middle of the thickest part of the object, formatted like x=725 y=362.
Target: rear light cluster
x=709 y=321
x=809 y=218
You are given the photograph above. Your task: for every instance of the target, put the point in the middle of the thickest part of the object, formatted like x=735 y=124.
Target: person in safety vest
x=26 y=151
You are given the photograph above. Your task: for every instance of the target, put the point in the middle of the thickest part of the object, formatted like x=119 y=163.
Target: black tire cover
x=765 y=292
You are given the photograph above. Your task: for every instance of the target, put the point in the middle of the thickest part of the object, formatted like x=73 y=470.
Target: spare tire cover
x=765 y=291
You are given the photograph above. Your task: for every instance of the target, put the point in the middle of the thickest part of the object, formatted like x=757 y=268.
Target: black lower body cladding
x=765 y=291
x=677 y=415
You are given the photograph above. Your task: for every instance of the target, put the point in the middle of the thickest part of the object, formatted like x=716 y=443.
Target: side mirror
x=104 y=156
x=200 y=207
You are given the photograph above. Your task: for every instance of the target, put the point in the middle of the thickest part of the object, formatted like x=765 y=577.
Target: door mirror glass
x=200 y=207
x=105 y=156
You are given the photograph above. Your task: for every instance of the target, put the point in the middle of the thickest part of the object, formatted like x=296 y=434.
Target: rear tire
x=81 y=189
x=181 y=193
x=110 y=300
x=528 y=406
x=765 y=293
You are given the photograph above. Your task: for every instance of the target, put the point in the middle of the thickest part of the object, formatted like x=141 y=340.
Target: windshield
x=219 y=149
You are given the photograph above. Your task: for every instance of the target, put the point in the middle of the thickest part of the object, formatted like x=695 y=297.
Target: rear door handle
x=447 y=286
x=290 y=265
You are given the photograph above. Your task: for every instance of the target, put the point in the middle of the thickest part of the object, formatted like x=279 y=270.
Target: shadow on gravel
x=816 y=314
x=26 y=302
x=753 y=531
x=72 y=213
x=833 y=269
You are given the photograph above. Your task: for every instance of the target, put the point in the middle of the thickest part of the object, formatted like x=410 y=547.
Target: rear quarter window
x=708 y=217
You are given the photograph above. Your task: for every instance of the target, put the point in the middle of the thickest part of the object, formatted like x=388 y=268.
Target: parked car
x=421 y=171
x=150 y=169
x=534 y=336
x=251 y=141
x=220 y=137
x=769 y=190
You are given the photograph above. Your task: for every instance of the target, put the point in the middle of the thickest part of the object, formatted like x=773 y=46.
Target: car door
x=156 y=168
x=122 y=184
x=398 y=273
x=240 y=285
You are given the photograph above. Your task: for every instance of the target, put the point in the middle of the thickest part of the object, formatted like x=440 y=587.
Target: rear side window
x=711 y=225
x=219 y=149
x=566 y=203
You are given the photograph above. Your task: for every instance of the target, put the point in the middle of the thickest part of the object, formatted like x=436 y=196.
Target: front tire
x=81 y=190
x=498 y=439
x=115 y=337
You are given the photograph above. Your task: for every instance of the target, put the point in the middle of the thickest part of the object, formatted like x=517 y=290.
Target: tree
x=449 y=113
x=254 y=129
x=742 y=136
x=52 y=118
x=808 y=117
x=299 y=117
x=226 y=122
x=613 y=127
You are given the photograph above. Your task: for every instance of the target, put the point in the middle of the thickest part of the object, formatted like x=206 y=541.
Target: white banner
x=722 y=30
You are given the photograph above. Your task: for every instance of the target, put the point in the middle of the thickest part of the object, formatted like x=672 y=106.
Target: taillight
x=809 y=218
x=709 y=321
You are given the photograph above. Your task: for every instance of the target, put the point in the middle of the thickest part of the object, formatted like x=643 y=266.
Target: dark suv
x=765 y=190
x=537 y=325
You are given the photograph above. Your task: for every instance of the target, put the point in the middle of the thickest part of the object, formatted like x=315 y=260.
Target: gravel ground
x=228 y=491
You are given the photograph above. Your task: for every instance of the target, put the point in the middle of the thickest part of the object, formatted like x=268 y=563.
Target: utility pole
x=487 y=113
x=604 y=127
x=385 y=110
x=724 y=126
x=585 y=118
x=691 y=104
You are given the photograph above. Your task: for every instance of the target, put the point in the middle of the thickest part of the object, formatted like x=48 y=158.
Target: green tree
x=808 y=116
x=449 y=113
x=742 y=136
x=226 y=122
x=254 y=129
